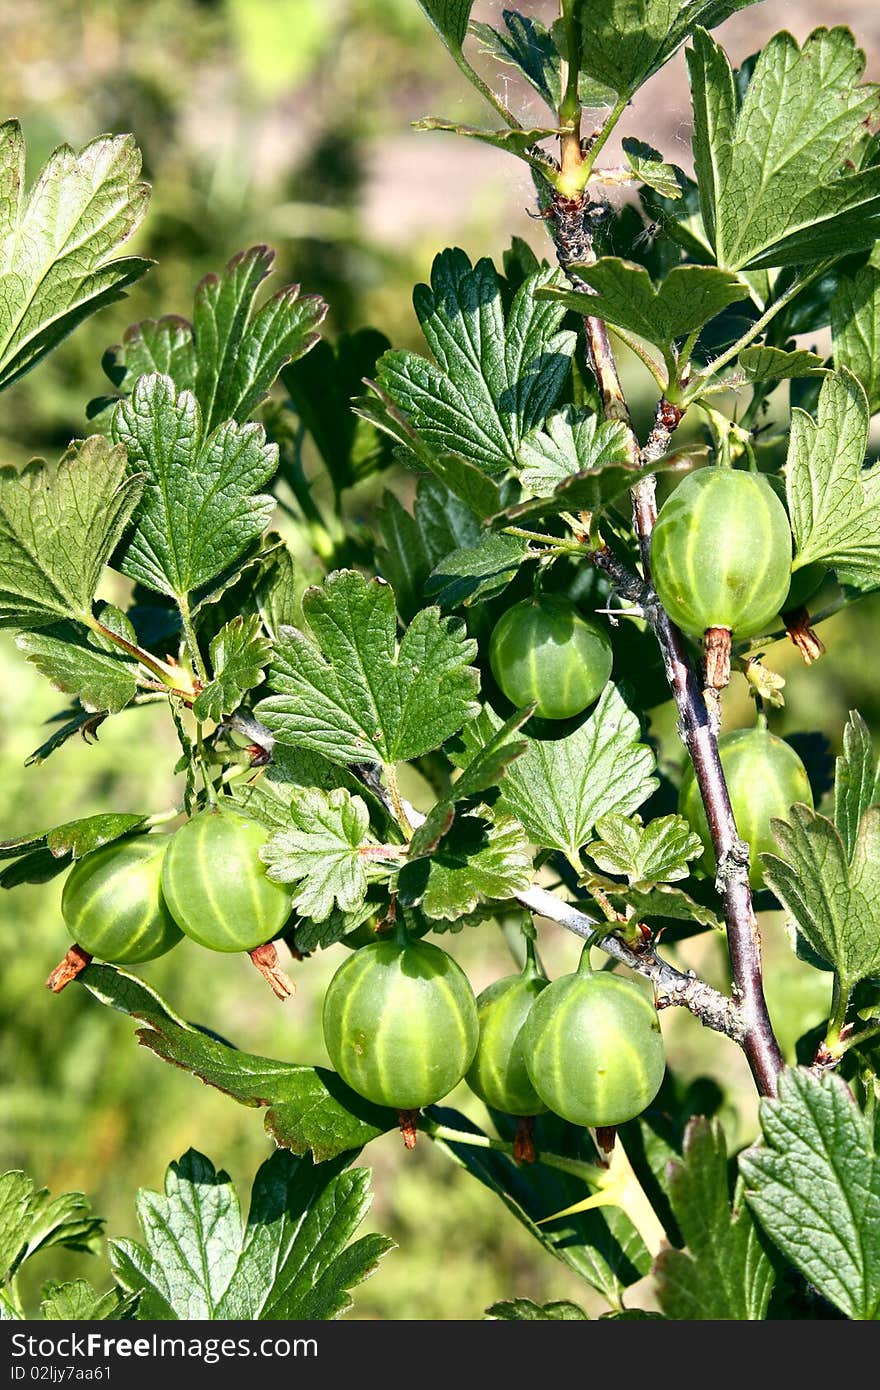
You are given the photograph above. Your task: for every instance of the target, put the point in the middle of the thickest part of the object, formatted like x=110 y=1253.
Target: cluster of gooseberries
x=402 y=1028
x=132 y=900
x=401 y=1023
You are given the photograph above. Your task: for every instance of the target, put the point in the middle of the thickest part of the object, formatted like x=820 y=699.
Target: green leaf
x=626 y=298
x=495 y=375
x=572 y=441
x=309 y=1109
x=30 y=1220
x=293 y=1258
x=835 y=904
x=834 y=503
x=191 y=476
x=73 y=663
x=524 y=1310
x=321 y=386
x=70 y=721
x=240 y=351
x=601 y=1245
x=724 y=1274
x=559 y=788
x=524 y=144
x=780 y=173
x=475 y=861
x=58 y=241
x=575 y=463
x=328 y=851
x=471 y=486
x=450 y=19
x=231 y=354
x=479 y=773
x=478 y=572
x=276 y=592
x=855 y=329
x=414 y=544
x=59 y=524
x=75 y=838
x=164 y=345
x=317 y=936
x=527 y=46
x=649 y=167
x=625 y=41
x=239 y=653
x=776 y=364
x=856 y=781
x=814 y=1185
x=644 y=854
x=661 y=903
x=353 y=694
x=79 y=1302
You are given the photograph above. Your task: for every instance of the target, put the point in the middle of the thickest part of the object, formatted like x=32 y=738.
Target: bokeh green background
x=283 y=121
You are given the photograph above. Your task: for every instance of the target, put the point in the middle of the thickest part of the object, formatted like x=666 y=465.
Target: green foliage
x=624 y=42
x=308 y=1108
x=476 y=861
x=327 y=852
x=855 y=328
x=601 y=1245
x=785 y=189
x=190 y=474
x=39 y=857
x=623 y=295
x=59 y=240
x=725 y=1273
x=814 y=1185
x=343 y=715
x=525 y=44
x=232 y=352
x=239 y=654
x=560 y=788
x=322 y=384
x=524 y=1310
x=450 y=19
x=495 y=375
x=59 y=525
x=78 y=663
x=856 y=781
x=30 y=1220
x=644 y=854
x=833 y=501
x=292 y=1259
x=328 y=700
x=832 y=900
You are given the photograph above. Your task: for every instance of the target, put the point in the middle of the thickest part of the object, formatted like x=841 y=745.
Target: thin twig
x=671 y=987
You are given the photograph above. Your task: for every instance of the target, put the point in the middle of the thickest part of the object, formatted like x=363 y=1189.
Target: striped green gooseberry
x=215 y=884
x=593 y=1048
x=400 y=1022
x=721 y=553
x=498 y=1073
x=544 y=652
x=112 y=902
x=765 y=777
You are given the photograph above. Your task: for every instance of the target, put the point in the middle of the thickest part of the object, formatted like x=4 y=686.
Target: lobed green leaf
x=59 y=525
x=58 y=241
x=813 y=1182
x=724 y=1274
x=352 y=694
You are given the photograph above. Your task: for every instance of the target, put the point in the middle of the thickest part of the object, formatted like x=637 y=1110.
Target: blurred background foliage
x=284 y=121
